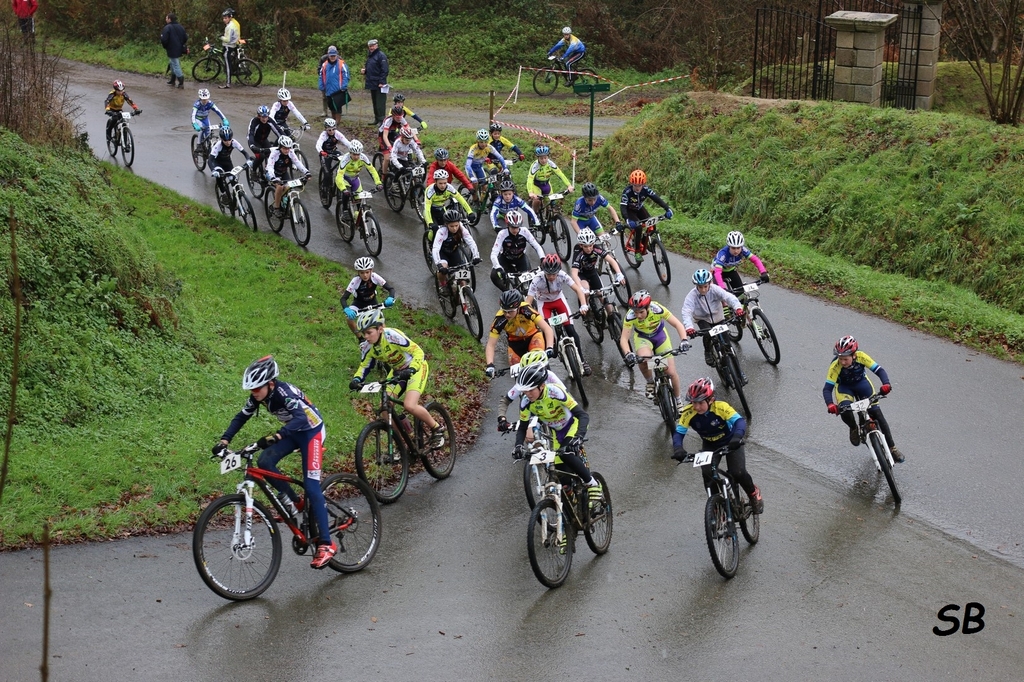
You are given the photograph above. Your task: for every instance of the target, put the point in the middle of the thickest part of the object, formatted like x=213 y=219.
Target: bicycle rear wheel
x=572 y=356
x=300 y=223
x=765 y=337
x=231 y=568
x=128 y=147
x=471 y=313
x=438 y=462
x=417 y=199
x=750 y=523
x=444 y=298
x=248 y=72
x=206 y=69
x=246 y=212
x=597 y=519
x=378 y=163
x=545 y=82
x=372 y=237
x=876 y=441
x=381 y=461
x=661 y=265
x=198 y=152
x=355 y=521
x=550 y=559
x=721 y=535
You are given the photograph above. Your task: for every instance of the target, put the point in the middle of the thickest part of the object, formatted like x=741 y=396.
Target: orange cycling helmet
x=638 y=177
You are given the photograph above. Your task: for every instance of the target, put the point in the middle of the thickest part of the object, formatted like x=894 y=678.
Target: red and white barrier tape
x=534 y=131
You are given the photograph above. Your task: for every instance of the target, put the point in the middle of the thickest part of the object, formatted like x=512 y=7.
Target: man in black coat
x=376 y=71
x=174 y=40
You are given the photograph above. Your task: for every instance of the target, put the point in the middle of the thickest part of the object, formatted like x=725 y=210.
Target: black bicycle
x=727 y=364
x=603 y=316
x=724 y=510
x=244 y=70
x=554 y=224
x=407 y=185
x=326 y=180
x=546 y=80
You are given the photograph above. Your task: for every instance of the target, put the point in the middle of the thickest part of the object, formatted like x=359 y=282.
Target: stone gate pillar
x=927 y=57
x=860 y=46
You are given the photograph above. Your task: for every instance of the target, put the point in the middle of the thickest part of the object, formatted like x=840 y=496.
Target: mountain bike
x=545 y=80
x=236 y=543
x=624 y=291
x=727 y=364
x=539 y=435
x=359 y=217
x=599 y=319
x=872 y=436
x=456 y=293
x=725 y=509
x=244 y=70
x=294 y=211
x=121 y=136
x=756 y=320
x=409 y=186
x=485 y=191
x=650 y=242
x=386 y=446
x=234 y=201
x=326 y=180
x=201 y=145
x=664 y=396
x=560 y=514
x=554 y=224
x=568 y=353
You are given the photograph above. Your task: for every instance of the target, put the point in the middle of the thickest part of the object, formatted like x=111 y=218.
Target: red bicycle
x=650 y=242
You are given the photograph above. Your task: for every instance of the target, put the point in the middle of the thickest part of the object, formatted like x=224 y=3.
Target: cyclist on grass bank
x=584 y=211
x=437 y=198
x=260 y=128
x=501 y=143
x=409 y=113
x=703 y=308
x=575 y=50
x=349 y=165
x=449 y=242
x=220 y=157
x=114 y=103
x=281 y=160
x=534 y=357
x=633 y=212
x=363 y=290
x=524 y=327
x=302 y=429
x=201 y=109
x=647 y=323
x=481 y=152
x=732 y=255
x=718 y=425
x=538 y=181
x=846 y=382
x=546 y=289
x=507 y=201
x=586 y=264
x=229 y=41
x=508 y=255
x=284 y=106
x=405 y=359
x=443 y=162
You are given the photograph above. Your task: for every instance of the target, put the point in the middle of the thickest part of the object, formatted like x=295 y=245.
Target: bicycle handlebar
x=874 y=398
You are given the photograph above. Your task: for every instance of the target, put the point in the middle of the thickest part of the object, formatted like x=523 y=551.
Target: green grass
x=128 y=452
x=958 y=90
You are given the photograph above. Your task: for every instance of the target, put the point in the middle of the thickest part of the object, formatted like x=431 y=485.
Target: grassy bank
x=143 y=354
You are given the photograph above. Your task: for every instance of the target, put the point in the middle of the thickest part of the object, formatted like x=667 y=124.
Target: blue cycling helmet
x=263 y=110
x=702 y=276
x=542 y=150
x=226 y=134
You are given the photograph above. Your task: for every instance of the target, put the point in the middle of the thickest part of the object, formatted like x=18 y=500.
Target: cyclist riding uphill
x=585 y=265
x=553 y=406
x=283 y=106
x=509 y=251
x=447 y=249
x=538 y=181
x=405 y=358
x=718 y=425
x=438 y=196
x=584 y=212
x=220 y=157
x=575 y=50
x=260 y=128
x=443 y=162
x=524 y=328
x=201 y=109
x=633 y=212
x=846 y=382
x=113 y=105
x=363 y=289
x=349 y=165
x=534 y=357
x=330 y=139
x=302 y=430
x=546 y=289
x=508 y=201
x=501 y=143
x=480 y=152
x=281 y=160
x=409 y=113
x=730 y=256
x=704 y=305
x=647 y=322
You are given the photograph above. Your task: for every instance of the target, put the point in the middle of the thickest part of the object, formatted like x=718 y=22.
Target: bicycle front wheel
x=628 y=256
x=355 y=521
x=344 y=220
x=597 y=519
x=382 y=462
x=722 y=541
x=667 y=403
x=206 y=69
x=550 y=555
x=248 y=72
x=198 y=152
x=876 y=441
x=372 y=237
x=545 y=82
x=534 y=478
x=765 y=337
x=737 y=375
x=572 y=356
x=438 y=462
x=229 y=565
x=114 y=141
x=247 y=213
x=471 y=313
x=417 y=199
x=393 y=194
x=735 y=330
x=428 y=256
x=276 y=222
x=661 y=265
x=300 y=223
x=325 y=183
x=560 y=241
x=750 y=523
x=615 y=331
x=128 y=147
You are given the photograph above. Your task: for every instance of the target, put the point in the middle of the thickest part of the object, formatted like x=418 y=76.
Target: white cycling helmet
x=586 y=237
x=482 y=135
x=204 y=94
x=440 y=174
x=566 y=31
x=363 y=264
x=259 y=373
x=330 y=123
x=735 y=239
x=285 y=141
x=284 y=94
x=355 y=146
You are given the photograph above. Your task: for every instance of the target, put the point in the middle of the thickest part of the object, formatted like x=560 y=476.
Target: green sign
x=597 y=87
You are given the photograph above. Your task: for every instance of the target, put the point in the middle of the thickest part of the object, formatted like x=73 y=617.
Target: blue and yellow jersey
x=571 y=44
x=501 y=143
x=854 y=374
x=716 y=427
x=394 y=349
x=651 y=325
x=553 y=407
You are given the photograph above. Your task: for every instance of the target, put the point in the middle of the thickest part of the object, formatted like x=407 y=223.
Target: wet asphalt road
x=840 y=585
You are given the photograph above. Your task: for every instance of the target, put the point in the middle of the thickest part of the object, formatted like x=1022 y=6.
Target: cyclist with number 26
x=302 y=430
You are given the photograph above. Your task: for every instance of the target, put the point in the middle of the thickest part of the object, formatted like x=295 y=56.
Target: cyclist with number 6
x=633 y=212
x=732 y=255
x=846 y=382
x=646 y=322
x=703 y=308
x=363 y=290
x=302 y=430
x=718 y=425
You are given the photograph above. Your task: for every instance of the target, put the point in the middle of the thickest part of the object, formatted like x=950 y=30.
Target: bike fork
x=242 y=538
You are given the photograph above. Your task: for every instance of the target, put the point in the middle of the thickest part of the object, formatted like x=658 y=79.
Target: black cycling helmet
x=398 y=110
x=511 y=299
x=551 y=263
x=495 y=127
x=441 y=154
x=507 y=185
x=589 y=189
x=228 y=12
x=452 y=215
x=399 y=97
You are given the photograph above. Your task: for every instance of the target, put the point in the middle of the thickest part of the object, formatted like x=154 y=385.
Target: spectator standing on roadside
x=174 y=40
x=376 y=72
x=25 y=11
x=232 y=34
x=334 y=78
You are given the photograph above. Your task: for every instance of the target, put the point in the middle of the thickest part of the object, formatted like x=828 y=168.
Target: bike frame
x=867 y=425
x=562 y=338
x=387 y=406
x=459 y=277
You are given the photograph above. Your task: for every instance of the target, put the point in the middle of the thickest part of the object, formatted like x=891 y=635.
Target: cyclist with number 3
x=302 y=430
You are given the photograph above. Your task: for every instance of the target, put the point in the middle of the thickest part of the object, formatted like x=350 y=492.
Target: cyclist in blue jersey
x=502 y=143
x=584 y=212
x=201 y=115
x=575 y=50
x=506 y=201
x=732 y=255
x=633 y=212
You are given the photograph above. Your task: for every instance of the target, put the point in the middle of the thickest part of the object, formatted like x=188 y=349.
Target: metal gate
x=794 y=51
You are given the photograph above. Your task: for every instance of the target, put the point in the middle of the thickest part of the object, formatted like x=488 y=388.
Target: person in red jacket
x=443 y=163
x=25 y=11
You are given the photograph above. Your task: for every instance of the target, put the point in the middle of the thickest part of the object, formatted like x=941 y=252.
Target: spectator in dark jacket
x=376 y=71
x=334 y=77
x=174 y=40
x=25 y=11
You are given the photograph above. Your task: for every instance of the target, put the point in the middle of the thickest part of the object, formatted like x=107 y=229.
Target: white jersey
x=338 y=137
x=276 y=107
x=707 y=307
x=401 y=151
x=442 y=235
x=544 y=291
